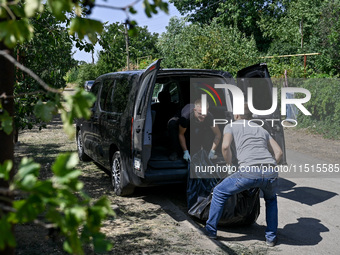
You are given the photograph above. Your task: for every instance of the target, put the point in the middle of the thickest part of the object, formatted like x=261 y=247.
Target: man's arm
x=226 y=151
x=217 y=138
x=275 y=148
x=181 y=138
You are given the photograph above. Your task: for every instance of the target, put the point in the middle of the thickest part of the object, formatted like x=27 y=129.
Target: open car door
x=258 y=78
x=142 y=120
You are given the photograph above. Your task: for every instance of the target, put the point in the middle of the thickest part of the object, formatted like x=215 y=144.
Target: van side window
x=121 y=94
x=106 y=93
x=174 y=93
x=95 y=88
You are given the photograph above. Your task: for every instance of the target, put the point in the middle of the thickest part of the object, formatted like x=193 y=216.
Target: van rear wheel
x=120 y=184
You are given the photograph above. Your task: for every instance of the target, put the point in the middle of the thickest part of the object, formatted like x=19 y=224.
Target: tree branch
x=6 y=55
x=7 y=208
x=45 y=225
x=8 y=192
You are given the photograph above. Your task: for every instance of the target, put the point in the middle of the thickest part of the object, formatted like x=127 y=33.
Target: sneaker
x=208 y=234
x=271 y=243
x=173 y=156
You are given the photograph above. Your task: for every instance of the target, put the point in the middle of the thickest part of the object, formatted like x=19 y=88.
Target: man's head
x=164 y=97
x=246 y=116
x=198 y=110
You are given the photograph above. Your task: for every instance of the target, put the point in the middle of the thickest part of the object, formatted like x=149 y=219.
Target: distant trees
x=49 y=55
x=278 y=27
x=113 y=55
x=212 y=46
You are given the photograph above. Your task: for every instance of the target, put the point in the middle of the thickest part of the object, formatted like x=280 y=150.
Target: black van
x=121 y=133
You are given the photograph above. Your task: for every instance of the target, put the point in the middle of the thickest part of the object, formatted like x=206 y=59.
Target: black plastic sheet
x=240 y=209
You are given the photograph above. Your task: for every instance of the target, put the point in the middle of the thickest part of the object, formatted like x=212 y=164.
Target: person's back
x=251 y=142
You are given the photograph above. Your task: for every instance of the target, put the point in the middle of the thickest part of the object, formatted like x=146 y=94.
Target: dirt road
x=154 y=220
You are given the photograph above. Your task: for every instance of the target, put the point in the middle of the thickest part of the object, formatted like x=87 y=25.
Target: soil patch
x=315 y=145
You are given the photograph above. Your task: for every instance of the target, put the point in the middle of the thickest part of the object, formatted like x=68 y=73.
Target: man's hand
x=186 y=156
x=212 y=155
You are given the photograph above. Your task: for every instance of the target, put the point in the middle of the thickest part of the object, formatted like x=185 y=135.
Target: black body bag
x=240 y=209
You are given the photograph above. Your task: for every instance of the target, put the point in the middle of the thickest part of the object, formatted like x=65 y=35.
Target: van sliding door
x=142 y=120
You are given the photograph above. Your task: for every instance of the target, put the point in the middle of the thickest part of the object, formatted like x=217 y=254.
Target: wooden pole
x=127 y=46
x=293 y=55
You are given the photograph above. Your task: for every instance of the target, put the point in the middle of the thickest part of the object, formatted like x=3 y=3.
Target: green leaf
x=67 y=247
x=5 y=169
x=60 y=7
x=8 y=238
x=27 y=167
x=6 y=122
x=83 y=26
x=132 y=10
x=33 y=6
x=64 y=163
x=27 y=210
x=45 y=111
x=75 y=215
x=15 y=31
x=28 y=182
x=45 y=189
x=80 y=104
x=100 y=244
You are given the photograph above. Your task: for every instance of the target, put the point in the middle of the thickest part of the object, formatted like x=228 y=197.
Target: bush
x=324 y=107
x=72 y=75
x=212 y=46
x=86 y=72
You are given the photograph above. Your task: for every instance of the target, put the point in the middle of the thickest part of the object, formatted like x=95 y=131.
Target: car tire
x=80 y=148
x=120 y=185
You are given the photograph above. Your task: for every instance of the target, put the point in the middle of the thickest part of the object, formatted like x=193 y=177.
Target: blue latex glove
x=212 y=155
x=186 y=155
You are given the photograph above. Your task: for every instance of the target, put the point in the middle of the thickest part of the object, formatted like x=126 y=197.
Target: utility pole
x=301 y=32
x=127 y=46
x=92 y=53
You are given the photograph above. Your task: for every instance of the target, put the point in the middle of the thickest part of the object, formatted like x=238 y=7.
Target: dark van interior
x=171 y=93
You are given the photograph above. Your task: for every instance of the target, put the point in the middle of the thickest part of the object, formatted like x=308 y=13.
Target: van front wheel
x=80 y=146
x=120 y=184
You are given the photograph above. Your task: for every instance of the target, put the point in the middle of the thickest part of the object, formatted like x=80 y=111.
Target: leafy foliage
x=113 y=55
x=243 y=15
x=86 y=72
x=189 y=46
x=48 y=54
x=62 y=202
x=324 y=106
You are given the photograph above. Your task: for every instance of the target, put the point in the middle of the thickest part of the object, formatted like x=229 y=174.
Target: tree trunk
x=7 y=78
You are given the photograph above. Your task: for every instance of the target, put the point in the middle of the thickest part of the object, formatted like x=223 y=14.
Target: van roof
x=168 y=70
